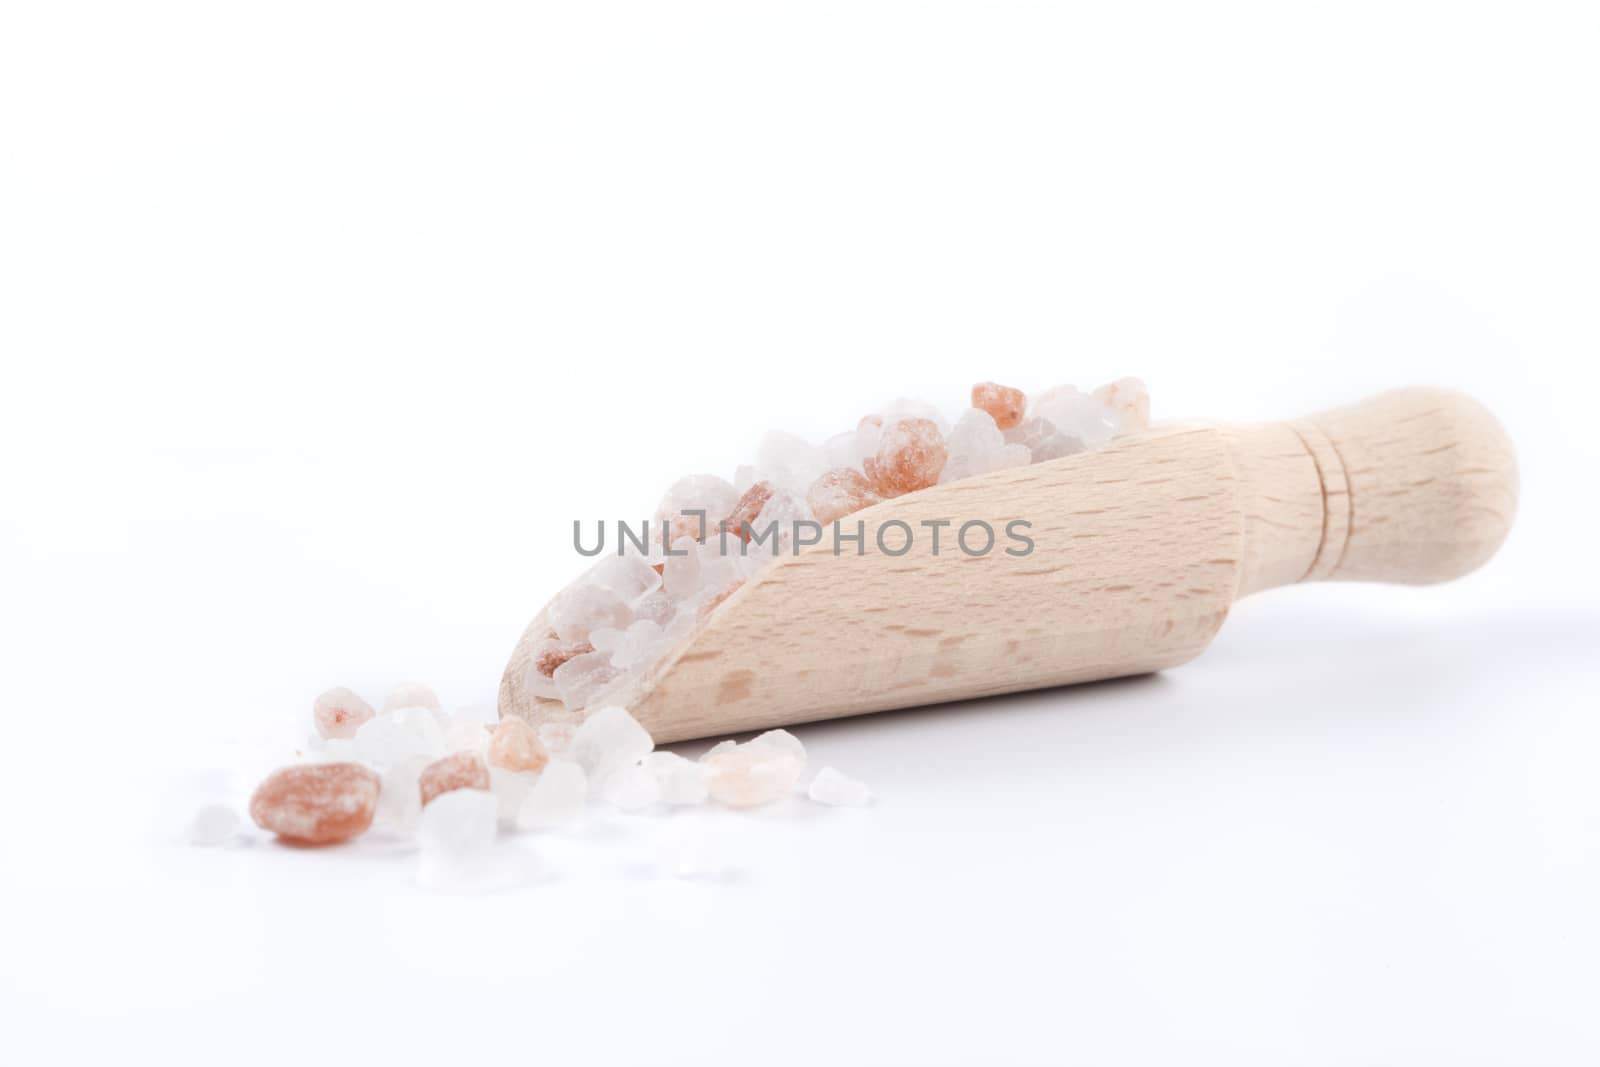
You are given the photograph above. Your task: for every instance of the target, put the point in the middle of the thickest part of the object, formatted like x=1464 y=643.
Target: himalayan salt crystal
x=775 y=528
x=838 y=790
x=657 y=608
x=466 y=730
x=748 y=509
x=638 y=644
x=976 y=446
x=1129 y=400
x=609 y=740
x=629 y=577
x=339 y=712
x=1076 y=414
x=788 y=462
x=1002 y=403
x=398 y=735
x=719 y=748
x=581 y=678
x=840 y=492
x=692 y=507
x=213 y=825
x=910 y=457
x=1042 y=440
x=510 y=789
x=412 y=695
x=582 y=607
x=851 y=448
x=455 y=843
x=462 y=770
x=514 y=746
x=316 y=804
x=783 y=742
x=633 y=789
x=557 y=799
x=907 y=407
x=556 y=737
x=748 y=776
x=681 y=781
x=552 y=654
x=400 y=799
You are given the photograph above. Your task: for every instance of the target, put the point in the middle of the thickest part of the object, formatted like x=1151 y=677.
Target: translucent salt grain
x=456 y=842
x=581 y=678
x=510 y=789
x=1042 y=440
x=1129 y=400
x=633 y=788
x=551 y=654
x=514 y=745
x=750 y=775
x=466 y=730
x=680 y=508
x=788 y=462
x=213 y=825
x=718 y=748
x=850 y=449
x=339 y=712
x=682 y=781
x=629 y=577
x=316 y=804
x=839 y=492
x=557 y=799
x=582 y=607
x=782 y=741
x=715 y=602
x=462 y=770
x=412 y=695
x=639 y=644
x=657 y=608
x=838 y=790
x=609 y=740
x=976 y=446
x=1002 y=403
x=746 y=511
x=910 y=457
x=556 y=737
x=1075 y=414
x=400 y=798
x=776 y=526
x=398 y=735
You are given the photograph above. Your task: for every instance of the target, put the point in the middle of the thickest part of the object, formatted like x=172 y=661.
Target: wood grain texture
x=1139 y=550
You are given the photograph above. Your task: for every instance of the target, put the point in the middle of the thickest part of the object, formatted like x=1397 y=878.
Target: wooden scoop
x=1139 y=549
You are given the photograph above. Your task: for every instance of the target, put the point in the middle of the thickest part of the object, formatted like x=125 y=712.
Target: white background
x=320 y=322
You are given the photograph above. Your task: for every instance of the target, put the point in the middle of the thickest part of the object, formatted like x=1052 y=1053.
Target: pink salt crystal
x=514 y=746
x=463 y=770
x=746 y=511
x=316 y=804
x=1004 y=404
x=1129 y=398
x=340 y=713
x=840 y=492
x=556 y=736
x=910 y=457
x=746 y=776
x=554 y=654
x=412 y=695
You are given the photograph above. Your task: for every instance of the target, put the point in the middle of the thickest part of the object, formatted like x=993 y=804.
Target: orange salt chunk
x=1004 y=404
x=317 y=804
x=514 y=746
x=910 y=456
x=464 y=770
x=840 y=492
x=748 y=509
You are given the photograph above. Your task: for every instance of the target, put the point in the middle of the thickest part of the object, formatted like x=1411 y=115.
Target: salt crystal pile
x=708 y=536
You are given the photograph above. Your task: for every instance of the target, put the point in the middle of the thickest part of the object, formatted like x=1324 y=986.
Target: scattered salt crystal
x=838 y=790
x=339 y=712
x=909 y=457
x=456 y=842
x=750 y=775
x=400 y=798
x=657 y=608
x=607 y=741
x=515 y=746
x=784 y=742
x=462 y=770
x=719 y=748
x=633 y=788
x=412 y=695
x=556 y=737
x=466 y=730
x=1129 y=400
x=1042 y=440
x=682 y=781
x=212 y=825
x=316 y=804
x=556 y=799
x=1002 y=403
x=398 y=735
x=510 y=789
x=781 y=513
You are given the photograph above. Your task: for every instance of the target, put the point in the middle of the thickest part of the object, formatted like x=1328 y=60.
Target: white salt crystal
x=606 y=639
x=853 y=447
x=748 y=776
x=466 y=729
x=607 y=741
x=412 y=695
x=1129 y=401
x=788 y=462
x=633 y=788
x=719 y=748
x=582 y=677
x=629 y=577
x=744 y=476
x=213 y=825
x=1042 y=440
x=642 y=642
x=782 y=741
x=908 y=408
x=400 y=798
x=976 y=446
x=582 y=607
x=682 y=781
x=399 y=735
x=697 y=493
x=838 y=790
x=784 y=508
x=657 y=608
x=557 y=799
x=510 y=790
x=456 y=841
x=556 y=737
x=681 y=573
x=1075 y=414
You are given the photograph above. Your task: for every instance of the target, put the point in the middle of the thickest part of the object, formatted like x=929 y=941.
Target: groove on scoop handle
x=1418 y=485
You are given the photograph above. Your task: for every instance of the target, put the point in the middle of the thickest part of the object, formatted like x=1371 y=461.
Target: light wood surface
x=1139 y=551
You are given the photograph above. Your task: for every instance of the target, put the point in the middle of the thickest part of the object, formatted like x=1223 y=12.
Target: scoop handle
x=1416 y=485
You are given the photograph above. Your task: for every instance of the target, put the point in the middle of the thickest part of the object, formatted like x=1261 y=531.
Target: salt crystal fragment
x=751 y=775
x=911 y=408
x=609 y=740
x=556 y=737
x=633 y=788
x=463 y=770
x=510 y=789
x=778 y=525
x=412 y=695
x=976 y=446
x=1042 y=440
x=1003 y=404
x=641 y=643
x=316 y=804
x=556 y=799
x=394 y=736
x=400 y=799
x=339 y=712
x=582 y=607
x=839 y=790
x=693 y=506
x=1129 y=400
x=466 y=730
x=629 y=577
x=910 y=457
x=839 y=492
x=1075 y=414
x=456 y=842
x=213 y=825
x=784 y=742
x=718 y=748
x=551 y=654
x=682 y=781
x=514 y=746
x=788 y=462
x=746 y=511
x=581 y=678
